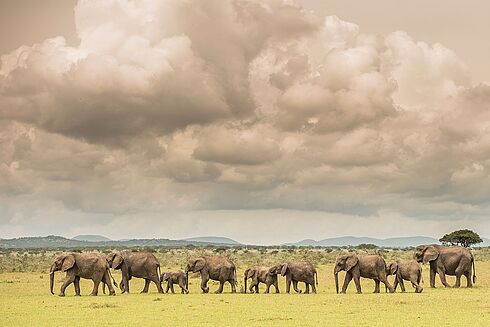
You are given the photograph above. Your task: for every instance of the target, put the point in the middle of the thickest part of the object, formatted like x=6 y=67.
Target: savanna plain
x=25 y=299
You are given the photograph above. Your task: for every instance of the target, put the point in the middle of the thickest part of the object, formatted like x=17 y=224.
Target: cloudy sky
x=264 y=121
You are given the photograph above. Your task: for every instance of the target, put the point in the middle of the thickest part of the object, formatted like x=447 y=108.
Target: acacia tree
x=463 y=237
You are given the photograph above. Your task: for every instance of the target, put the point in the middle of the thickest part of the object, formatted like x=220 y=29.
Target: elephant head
x=344 y=263
x=392 y=268
x=194 y=265
x=63 y=263
x=164 y=277
x=249 y=273
x=426 y=253
x=115 y=260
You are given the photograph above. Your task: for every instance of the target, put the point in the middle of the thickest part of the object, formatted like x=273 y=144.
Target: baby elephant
x=406 y=270
x=177 y=277
x=265 y=275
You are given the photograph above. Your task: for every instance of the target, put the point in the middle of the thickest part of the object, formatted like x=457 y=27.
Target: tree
x=463 y=237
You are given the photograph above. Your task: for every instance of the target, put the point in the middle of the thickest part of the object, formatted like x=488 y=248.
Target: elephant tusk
x=51 y=273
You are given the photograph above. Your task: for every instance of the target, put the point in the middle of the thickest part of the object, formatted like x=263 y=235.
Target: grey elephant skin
x=300 y=271
x=136 y=264
x=175 y=277
x=355 y=267
x=447 y=260
x=266 y=275
x=409 y=270
x=81 y=265
x=216 y=268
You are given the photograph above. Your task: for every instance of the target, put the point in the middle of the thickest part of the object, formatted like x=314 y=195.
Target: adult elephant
x=300 y=271
x=216 y=268
x=453 y=261
x=81 y=265
x=355 y=267
x=136 y=264
x=266 y=275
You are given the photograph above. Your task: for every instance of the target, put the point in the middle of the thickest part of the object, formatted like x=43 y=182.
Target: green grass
x=25 y=301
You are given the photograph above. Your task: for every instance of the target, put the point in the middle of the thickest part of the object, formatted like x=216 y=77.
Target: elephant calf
x=355 y=267
x=177 y=277
x=266 y=275
x=406 y=270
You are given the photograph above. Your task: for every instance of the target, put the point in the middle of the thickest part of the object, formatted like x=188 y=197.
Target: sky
x=263 y=121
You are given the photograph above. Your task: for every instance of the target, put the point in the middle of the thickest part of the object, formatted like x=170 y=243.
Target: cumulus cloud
x=165 y=108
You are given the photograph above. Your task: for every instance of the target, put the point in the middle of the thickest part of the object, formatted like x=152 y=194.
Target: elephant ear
x=350 y=262
x=68 y=262
x=393 y=268
x=430 y=254
x=284 y=269
x=117 y=261
x=272 y=270
x=199 y=264
x=251 y=273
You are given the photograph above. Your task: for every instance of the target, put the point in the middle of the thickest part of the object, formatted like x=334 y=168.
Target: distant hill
x=213 y=240
x=91 y=238
x=54 y=242
x=397 y=242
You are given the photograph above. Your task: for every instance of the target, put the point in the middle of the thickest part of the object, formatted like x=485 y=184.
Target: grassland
x=25 y=299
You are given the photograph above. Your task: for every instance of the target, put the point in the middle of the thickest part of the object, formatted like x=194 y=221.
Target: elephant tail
x=474 y=269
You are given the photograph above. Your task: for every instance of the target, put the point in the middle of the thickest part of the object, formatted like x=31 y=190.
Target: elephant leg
x=395 y=283
x=288 y=284
x=172 y=288
x=220 y=288
x=107 y=280
x=376 y=286
x=168 y=287
x=256 y=288
x=251 y=288
x=432 y=277
x=156 y=281
x=311 y=281
x=347 y=279
x=76 y=282
x=458 y=280
x=268 y=286
x=204 y=282
x=357 y=280
x=383 y=279
x=402 y=285
x=183 y=287
x=415 y=283
x=147 y=285
x=95 y=290
x=276 y=285
x=469 y=282
x=68 y=280
x=442 y=276
x=307 y=288
x=295 y=286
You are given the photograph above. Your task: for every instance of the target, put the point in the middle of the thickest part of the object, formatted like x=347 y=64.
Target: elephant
x=301 y=271
x=444 y=260
x=367 y=266
x=216 y=268
x=266 y=275
x=177 y=277
x=409 y=270
x=82 y=265
x=136 y=264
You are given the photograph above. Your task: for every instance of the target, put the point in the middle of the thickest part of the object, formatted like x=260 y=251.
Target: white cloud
x=244 y=106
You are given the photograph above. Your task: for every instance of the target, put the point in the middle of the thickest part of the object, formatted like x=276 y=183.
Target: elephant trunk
x=51 y=279
x=245 y=282
x=336 y=275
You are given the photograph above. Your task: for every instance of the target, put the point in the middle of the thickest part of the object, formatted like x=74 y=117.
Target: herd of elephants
x=454 y=261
